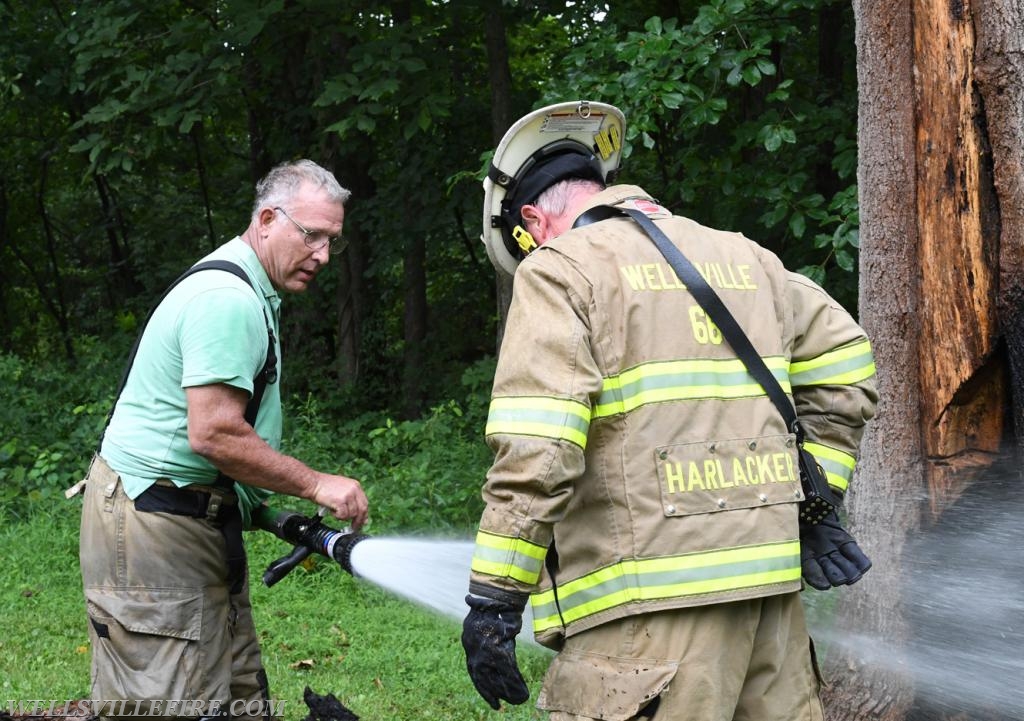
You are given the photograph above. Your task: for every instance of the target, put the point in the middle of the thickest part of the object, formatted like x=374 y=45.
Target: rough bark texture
x=884 y=502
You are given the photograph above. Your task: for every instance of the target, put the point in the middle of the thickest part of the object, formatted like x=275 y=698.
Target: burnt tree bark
x=999 y=68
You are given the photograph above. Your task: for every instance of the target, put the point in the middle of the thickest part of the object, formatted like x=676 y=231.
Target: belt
x=194 y=501
x=206 y=502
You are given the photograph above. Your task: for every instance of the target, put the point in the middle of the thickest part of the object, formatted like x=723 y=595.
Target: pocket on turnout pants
x=145 y=643
x=603 y=687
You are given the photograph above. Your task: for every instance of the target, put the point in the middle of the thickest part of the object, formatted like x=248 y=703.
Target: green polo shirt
x=210 y=328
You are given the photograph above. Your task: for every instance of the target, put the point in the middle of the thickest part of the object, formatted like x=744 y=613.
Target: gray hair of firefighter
x=555 y=200
x=283 y=181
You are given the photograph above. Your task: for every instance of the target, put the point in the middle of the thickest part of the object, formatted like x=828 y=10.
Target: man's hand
x=829 y=556
x=489 y=638
x=343 y=497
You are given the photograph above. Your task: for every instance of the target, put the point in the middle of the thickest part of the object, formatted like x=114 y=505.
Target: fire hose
x=308 y=535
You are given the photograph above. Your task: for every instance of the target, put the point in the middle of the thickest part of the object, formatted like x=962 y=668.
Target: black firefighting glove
x=489 y=638
x=829 y=556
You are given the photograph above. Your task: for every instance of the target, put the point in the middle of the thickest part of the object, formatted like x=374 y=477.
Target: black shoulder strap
x=716 y=310
x=267 y=374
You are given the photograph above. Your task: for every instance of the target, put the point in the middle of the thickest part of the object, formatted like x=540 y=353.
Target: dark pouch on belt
x=819 y=498
x=178 y=502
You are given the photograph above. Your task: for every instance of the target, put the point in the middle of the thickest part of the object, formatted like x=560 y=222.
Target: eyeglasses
x=317 y=240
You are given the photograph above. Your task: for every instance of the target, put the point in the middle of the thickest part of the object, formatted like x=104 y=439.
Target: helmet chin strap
x=524 y=239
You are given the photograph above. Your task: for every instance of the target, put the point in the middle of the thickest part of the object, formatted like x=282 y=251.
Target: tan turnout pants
x=741 y=661
x=162 y=622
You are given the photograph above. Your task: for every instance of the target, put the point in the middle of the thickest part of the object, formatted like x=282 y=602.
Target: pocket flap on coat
x=602 y=687
x=174 y=612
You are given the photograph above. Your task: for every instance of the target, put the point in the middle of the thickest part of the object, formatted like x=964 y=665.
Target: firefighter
x=644 y=493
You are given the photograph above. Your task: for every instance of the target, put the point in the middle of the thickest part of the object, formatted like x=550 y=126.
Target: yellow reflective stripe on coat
x=507 y=557
x=683 y=380
x=558 y=418
x=667 y=577
x=851 y=364
x=838 y=466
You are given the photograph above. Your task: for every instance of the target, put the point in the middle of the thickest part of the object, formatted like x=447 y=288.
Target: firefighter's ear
x=535 y=222
x=530 y=212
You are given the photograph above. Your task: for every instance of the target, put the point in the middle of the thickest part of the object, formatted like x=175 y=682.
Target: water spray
x=429 y=572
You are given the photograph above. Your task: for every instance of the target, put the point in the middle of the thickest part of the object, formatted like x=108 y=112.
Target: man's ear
x=266 y=217
x=530 y=212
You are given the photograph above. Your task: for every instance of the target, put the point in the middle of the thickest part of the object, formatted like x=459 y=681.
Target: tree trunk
x=204 y=191
x=414 y=286
x=962 y=383
x=351 y=264
x=6 y=323
x=883 y=506
x=932 y=287
x=500 y=77
x=831 y=28
x=121 y=279
x=54 y=303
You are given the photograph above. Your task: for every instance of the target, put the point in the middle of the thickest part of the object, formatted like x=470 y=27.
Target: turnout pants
x=741 y=661
x=164 y=624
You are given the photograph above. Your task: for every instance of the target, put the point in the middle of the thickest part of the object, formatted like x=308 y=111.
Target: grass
x=382 y=657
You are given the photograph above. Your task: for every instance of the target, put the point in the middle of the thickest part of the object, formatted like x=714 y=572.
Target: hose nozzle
x=341 y=549
x=308 y=535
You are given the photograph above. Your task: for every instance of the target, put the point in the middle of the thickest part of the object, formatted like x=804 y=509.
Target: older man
x=190 y=451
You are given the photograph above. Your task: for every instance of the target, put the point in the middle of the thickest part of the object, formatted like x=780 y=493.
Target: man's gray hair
x=284 y=180
x=555 y=200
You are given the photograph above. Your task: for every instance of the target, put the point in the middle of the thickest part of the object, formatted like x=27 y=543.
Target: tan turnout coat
x=626 y=431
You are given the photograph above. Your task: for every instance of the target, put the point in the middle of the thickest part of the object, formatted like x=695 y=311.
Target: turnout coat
x=633 y=451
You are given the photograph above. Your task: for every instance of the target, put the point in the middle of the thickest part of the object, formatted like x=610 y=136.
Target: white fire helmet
x=578 y=139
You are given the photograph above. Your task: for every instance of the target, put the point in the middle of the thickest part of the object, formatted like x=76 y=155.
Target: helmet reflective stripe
x=581 y=138
x=506 y=557
x=838 y=465
x=666 y=577
x=682 y=380
x=851 y=364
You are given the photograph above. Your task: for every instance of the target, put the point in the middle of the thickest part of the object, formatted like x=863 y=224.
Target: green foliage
x=422 y=474
x=732 y=120
x=137 y=151
x=50 y=421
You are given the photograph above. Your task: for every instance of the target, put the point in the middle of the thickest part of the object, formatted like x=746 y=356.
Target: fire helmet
x=578 y=139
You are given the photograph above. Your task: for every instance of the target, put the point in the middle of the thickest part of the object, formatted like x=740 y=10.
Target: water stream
x=429 y=572
x=963 y=596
